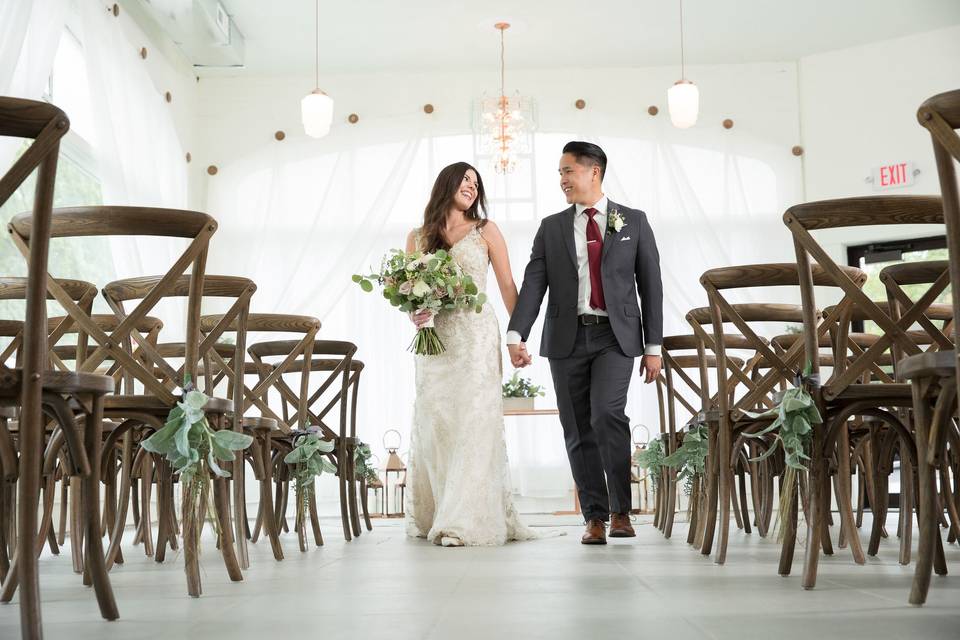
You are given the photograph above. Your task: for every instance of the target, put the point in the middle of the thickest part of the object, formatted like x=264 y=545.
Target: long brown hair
x=441 y=201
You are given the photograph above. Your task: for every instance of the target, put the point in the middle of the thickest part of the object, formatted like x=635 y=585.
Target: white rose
x=406 y=288
x=421 y=289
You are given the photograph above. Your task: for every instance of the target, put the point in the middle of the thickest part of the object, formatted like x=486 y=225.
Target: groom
x=594 y=258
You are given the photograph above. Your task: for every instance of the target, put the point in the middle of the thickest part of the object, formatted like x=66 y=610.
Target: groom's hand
x=519 y=357
x=650 y=368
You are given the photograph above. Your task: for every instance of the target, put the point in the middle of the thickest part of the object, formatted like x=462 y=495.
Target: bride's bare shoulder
x=413 y=239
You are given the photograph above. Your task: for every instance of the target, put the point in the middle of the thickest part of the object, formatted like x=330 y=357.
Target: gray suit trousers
x=591 y=386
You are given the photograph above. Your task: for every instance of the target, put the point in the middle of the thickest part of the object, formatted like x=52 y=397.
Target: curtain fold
x=299 y=220
x=29 y=33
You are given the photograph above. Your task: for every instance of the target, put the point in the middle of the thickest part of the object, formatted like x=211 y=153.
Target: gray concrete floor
x=386 y=586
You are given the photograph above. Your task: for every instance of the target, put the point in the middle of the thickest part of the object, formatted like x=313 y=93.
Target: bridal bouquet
x=418 y=281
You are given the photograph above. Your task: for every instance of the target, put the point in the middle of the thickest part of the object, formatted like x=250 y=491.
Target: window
x=77 y=183
x=873 y=257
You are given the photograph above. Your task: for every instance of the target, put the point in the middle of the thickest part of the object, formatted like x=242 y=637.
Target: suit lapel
x=608 y=235
x=568 y=238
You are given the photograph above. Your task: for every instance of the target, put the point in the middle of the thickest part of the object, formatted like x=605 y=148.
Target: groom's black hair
x=589 y=151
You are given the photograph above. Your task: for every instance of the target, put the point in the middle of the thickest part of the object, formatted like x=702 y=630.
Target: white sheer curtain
x=29 y=32
x=300 y=218
x=140 y=161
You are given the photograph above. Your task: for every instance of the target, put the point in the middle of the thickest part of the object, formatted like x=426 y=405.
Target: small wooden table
x=548 y=412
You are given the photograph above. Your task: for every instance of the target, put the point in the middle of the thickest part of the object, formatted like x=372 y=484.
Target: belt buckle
x=588 y=317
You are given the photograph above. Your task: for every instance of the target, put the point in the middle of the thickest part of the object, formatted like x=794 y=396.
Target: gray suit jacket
x=630 y=265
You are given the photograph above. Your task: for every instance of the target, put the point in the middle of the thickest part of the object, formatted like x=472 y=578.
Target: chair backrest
x=16 y=288
x=940 y=115
x=239 y=290
x=851 y=212
x=134 y=221
x=783 y=367
x=271 y=374
x=332 y=357
x=936 y=274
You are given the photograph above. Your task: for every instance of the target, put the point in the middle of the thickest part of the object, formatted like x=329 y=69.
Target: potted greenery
x=519 y=393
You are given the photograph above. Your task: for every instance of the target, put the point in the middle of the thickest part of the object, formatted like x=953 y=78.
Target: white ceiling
x=412 y=35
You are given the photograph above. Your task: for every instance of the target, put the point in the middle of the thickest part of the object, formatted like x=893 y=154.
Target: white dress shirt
x=584 y=289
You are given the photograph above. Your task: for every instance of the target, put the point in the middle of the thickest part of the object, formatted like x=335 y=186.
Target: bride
x=458 y=488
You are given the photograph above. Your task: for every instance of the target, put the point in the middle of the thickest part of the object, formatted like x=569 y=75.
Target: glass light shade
x=683 y=100
x=316 y=111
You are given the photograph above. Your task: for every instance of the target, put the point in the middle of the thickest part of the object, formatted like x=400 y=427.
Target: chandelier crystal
x=505 y=123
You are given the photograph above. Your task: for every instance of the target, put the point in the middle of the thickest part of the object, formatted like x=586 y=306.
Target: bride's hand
x=519 y=357
x=420 y=318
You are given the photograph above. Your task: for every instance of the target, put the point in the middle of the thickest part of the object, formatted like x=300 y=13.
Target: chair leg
x=221 y=499
x=844 y=498
x=744 y=509
x=815 y=509
x=62 y=521
x=789 y=525
x=906 y=505
x=363 y=504
x=315 y=520
x=123 y=500
x=352 y=491
x=76 y=524
x=725 y=476
x=710 y=521
x=90 y=497
x=268 y=522
x=928 y=524
x=238 y=483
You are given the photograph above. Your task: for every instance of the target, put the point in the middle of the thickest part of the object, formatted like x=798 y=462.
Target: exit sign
x=893 y=176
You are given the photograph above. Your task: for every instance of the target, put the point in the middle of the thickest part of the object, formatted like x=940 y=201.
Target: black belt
x=587 y=319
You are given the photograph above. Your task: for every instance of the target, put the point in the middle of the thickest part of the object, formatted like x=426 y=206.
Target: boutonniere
x=615 y=221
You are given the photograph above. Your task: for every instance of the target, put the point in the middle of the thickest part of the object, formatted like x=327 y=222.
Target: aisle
x=385 y=586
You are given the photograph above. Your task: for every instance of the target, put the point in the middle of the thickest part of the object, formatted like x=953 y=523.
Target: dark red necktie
x=594 y=252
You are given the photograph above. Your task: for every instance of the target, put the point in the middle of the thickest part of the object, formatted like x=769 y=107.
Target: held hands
x=519 y=357
x=650 y=368
x=420 y=318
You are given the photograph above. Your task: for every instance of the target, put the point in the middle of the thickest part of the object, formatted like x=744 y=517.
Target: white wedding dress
x=458 y=482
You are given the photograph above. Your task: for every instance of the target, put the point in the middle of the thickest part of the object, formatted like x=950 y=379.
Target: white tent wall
x=300 y=215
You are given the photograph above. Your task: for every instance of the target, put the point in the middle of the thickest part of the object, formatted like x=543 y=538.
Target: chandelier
x=505 y=123
x=316 y=108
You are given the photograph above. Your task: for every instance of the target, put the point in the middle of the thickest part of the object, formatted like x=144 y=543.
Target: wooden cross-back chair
x=239 y=291
x=933 y=375
x=25 y=385
x=150 y=408
x=781 y=367
x=676 y=366
x=306 y=327
x=871 y=448
x=333 y=358
x=844 y=395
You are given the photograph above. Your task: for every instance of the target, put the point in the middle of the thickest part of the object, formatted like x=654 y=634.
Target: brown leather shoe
x=620 y=526
x=596 y=533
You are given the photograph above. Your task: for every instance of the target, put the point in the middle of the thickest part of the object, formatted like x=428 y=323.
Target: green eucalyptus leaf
x=232 y=440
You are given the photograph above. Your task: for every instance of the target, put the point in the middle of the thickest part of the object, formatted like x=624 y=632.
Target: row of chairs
x=883 y=397
x=85 y=390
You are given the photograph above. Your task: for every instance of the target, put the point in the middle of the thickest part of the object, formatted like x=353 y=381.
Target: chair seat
x=56 y=382
x=936 y=364
x=259 y=423
x=881 y=391
x=153 y=404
